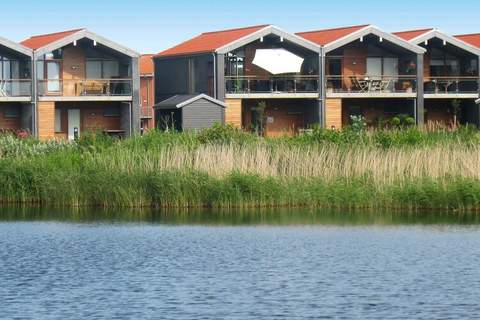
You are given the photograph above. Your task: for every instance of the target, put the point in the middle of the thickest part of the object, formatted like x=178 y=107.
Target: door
x=53 y=76
x=73 y=124
x=374 y=68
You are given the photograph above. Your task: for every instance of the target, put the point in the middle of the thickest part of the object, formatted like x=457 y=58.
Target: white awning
x=278 y=61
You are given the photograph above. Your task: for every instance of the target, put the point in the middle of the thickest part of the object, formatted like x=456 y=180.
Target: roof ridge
x=334 y=29
x=414 y=30
x=468 y=34
x=56 y=33
x=237 y=29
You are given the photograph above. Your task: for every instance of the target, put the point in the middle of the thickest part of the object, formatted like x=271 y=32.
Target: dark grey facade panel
x=202 y=114
x=184 y=75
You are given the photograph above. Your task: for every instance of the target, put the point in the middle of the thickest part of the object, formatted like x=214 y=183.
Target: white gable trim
x=445 y=37
x=265 y=32
x=376 y=31
x=16 y=47
x=89 y=35
x=199 y=97
x=477 y=101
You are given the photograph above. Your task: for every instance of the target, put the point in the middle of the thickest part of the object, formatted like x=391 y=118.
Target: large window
x=102 y=69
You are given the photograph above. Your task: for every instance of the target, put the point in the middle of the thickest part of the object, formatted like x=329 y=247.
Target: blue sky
x=149 y=26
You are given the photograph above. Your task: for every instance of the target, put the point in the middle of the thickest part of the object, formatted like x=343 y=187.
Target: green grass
x=178 y=170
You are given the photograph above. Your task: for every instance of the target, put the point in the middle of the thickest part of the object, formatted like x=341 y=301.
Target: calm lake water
x=256 y=265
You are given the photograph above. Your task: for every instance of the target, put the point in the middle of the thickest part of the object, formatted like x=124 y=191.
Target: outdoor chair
x=3 y=91
x=468 y=86
x=452 y=87
x=357 y=85
x=385 y=85
x=429 y=87
x=376 y=85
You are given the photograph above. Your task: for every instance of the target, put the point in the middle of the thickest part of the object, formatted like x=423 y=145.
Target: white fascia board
x=89 y=35
x=16 y=47
x=201 y=96
x=447 y=38
x=375 y=31
x=265 y=32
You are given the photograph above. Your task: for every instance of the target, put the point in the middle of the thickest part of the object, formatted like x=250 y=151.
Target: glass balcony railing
x=85 y=87
x=15 y=88
x=371 y=84
x=451 y=85
x=280 y=84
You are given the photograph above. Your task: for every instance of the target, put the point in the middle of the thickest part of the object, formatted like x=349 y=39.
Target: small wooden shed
x=189 y=112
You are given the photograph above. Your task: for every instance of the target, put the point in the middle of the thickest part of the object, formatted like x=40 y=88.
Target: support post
x=135 y=106
x=419 y=110
x=220 y=75
x=321 y=88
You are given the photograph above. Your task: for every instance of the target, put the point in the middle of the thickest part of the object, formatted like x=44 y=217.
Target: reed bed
x=225 y=168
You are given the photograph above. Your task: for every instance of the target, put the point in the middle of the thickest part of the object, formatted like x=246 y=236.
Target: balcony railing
x=281 y=84
x=371 y=84
x=85 y=87
x=16 y=88
x=452 y=85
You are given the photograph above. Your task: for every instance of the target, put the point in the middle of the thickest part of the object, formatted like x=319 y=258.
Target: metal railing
x=85 y=87
x=454 y=85
x=274 y=84
x=371 y=84
x=15 y=88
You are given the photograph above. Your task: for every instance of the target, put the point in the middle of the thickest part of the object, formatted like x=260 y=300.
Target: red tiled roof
x=472 y=39
x=42 y=40
x=146 y=64
x=326 y=36
x=411 y=34
x=210 y=41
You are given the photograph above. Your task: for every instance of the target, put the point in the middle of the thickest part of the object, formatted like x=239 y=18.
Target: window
x=58 y=120
x=374 y=68
x=94 y=69
x=12 y=112
x=111 y=112
x=102 y=69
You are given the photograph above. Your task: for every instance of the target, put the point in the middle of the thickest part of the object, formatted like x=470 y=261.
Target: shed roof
x=180 y=101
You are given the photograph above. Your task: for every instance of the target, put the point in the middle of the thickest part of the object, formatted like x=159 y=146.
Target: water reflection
x=280 y=217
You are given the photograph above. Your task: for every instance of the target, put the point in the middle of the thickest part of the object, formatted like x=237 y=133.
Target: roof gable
x=326 y=36
x=434 y=33
x=54 y=41
x=210 y=41
x=472 y=39
x=16 y=47
x=36 y=42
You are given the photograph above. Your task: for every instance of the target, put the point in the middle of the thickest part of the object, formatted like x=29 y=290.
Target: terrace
x=370 y=67
x=15 y=77
x=271 y=66
x=84 y=70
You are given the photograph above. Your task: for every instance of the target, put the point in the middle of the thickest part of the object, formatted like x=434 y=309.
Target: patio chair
x=385 y=85
x=429 y=87
x=376 y=85
x=357 y=85
x=3 y=91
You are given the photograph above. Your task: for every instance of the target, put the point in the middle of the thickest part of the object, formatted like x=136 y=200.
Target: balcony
x=15 y=89
x=85 y=88
x=371 y=85
x=275 y=85
x=452 y=85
